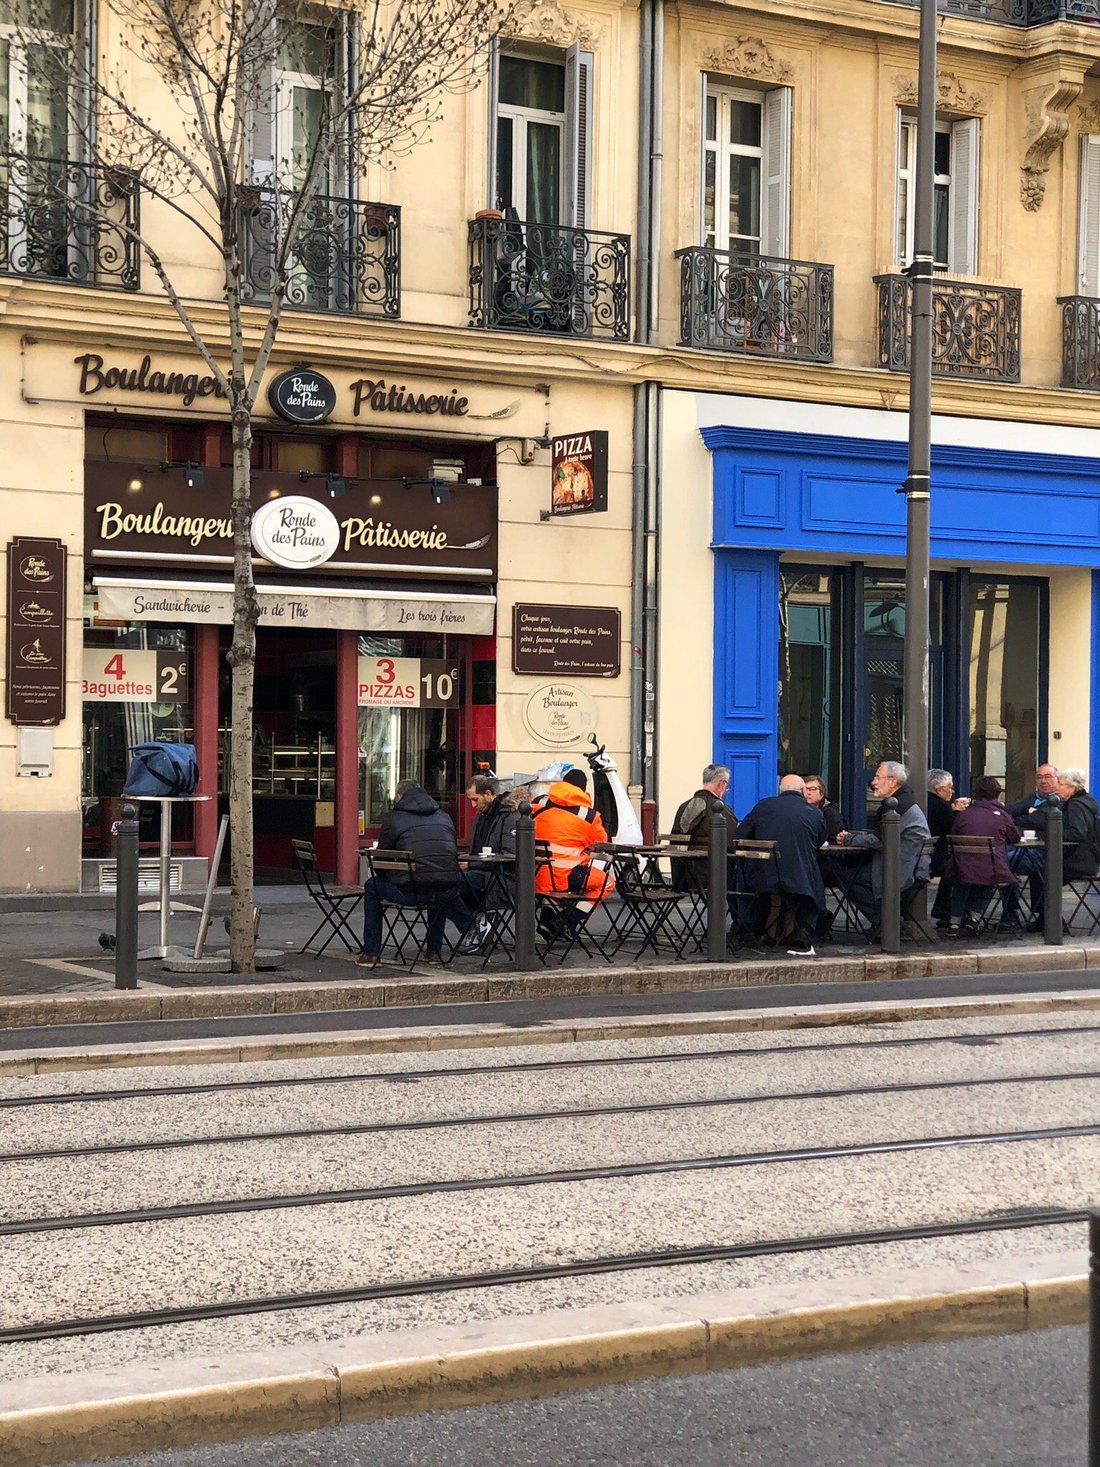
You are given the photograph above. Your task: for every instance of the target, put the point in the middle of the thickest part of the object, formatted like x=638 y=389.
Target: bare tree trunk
x=242 y=660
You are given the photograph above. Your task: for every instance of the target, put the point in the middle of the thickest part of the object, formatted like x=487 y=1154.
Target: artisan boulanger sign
x=383 y=526
x=36 y=631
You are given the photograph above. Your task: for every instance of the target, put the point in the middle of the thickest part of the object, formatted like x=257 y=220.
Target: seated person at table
x=817 y=797
x=495 y=816
x=792 y=882
x=1080 y=833
x=416 y=824
x=693 y=820
x=942 y=809
x=974 y=874
x=865 y=890
x=566 y=820
x=1030 y=815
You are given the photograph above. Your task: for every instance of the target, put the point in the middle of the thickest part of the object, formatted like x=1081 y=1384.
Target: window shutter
x=345 y=172
x=962 y=237
x=491 y=151
x=704 y=92
x=1088 y=248
x=262 y=103
x=578 y=139
x=777 y=172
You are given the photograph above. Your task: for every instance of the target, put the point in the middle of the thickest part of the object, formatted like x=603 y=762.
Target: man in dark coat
x=1030 y=815
x=416 y=824
x=795 y=876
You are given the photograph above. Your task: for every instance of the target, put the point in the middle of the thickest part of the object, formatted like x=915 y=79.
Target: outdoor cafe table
x=502 y=917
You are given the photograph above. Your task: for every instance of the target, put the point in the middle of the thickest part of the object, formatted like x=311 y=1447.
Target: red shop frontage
x=375 y=656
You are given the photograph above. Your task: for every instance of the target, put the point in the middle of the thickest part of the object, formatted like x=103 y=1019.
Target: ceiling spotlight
x=441 y=492
x=193 y=476
x=336 y=486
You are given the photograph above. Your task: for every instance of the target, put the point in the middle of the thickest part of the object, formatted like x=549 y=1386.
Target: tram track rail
x=405 y=1077
x=537 y=1273
x=178 y=1143
x=222 y=1207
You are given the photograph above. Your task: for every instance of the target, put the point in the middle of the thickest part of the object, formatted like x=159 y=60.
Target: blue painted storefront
x=828 y=496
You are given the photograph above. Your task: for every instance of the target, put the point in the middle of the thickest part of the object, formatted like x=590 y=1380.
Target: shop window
x=883 y=669
x=136 y=689
x=106 y=441
x=1005 y=681
x=809 y=714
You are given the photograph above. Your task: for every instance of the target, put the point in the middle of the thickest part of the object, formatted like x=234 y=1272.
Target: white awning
x=341 y=609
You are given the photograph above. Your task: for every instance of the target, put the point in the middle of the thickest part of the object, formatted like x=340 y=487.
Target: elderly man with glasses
x=891 y=779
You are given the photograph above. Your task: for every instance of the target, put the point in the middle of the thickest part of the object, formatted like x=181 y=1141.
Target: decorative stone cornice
x=952 y=94
x=1047 y=109
x=551 y=23
x=748 y=56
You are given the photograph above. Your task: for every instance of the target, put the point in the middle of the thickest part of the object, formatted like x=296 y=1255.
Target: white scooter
x=609 y=794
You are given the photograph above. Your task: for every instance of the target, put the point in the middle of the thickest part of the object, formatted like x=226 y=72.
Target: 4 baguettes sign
x=36 y=632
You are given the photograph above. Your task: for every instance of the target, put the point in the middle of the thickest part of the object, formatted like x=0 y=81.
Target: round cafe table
x=163 y=904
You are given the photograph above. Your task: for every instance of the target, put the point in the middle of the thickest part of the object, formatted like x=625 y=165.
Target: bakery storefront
x=375 y=570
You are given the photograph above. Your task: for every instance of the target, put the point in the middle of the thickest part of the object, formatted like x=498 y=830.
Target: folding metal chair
x=405 y=922
x=565 y=918
x=650 y=907
x=1082 y=887
x=993 y=892
x=745 y=903
x=913 y=910
x=335 y=903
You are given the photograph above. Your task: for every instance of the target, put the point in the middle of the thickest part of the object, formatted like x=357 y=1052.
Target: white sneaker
x=473 y=940
x=802 y=952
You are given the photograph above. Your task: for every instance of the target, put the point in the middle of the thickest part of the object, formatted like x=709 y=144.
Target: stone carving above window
x=952 y=94
x=748 y=56
x=551 y=23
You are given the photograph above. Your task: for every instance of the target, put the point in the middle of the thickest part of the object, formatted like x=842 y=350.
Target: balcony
x=549 y=278
x=1018 y=12
x=975 y=328
x=347 y=259
x=69 y=222
x=1080 y=341
x=755 y=304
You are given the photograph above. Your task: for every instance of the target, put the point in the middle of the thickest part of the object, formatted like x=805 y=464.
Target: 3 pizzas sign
x=407 y=682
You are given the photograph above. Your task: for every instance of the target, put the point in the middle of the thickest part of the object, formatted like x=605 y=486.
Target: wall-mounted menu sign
x=579 y=473
x=583 y=640
x=36 y=631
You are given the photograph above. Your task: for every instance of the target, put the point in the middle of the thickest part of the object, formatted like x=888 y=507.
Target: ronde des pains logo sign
x=302 y=396
x=295 y=532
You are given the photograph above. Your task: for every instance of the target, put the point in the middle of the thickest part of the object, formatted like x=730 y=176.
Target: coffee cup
x=486 y=850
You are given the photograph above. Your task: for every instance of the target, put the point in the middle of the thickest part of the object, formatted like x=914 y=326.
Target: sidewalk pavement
x=55 y=953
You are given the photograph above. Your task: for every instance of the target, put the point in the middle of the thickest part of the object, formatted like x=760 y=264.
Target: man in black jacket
x=416 y=824
x=792 y=881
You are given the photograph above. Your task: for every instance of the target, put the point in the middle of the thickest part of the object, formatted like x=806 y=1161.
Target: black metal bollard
x=1094 y=1340
x=891 y=876
x=525 y=889
x=126 y=900
x=1052 y=878
x=717 y=876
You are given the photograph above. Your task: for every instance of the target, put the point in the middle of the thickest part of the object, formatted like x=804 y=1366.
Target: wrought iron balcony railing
x=549 y=278
x=975 y=328
x=1019 y=12
x=753 y=303
x=66 y=221
x=347 y=257
x=1080 y=341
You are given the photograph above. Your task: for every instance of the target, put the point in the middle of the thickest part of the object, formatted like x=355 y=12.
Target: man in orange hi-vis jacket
x=565 y=818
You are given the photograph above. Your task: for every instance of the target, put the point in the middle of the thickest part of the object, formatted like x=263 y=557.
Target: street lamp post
x=918 y=484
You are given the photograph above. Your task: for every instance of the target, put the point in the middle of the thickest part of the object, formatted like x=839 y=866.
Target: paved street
x=222 y=1205
x=1003 y=1401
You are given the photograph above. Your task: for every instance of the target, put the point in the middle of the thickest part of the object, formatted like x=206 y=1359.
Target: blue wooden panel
x=746 y=661
x=815 y=494
x=1094 y=701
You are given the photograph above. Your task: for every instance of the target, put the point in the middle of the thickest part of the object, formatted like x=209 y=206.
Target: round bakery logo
x=35 y=568
x=302 y=396
x=295 y=532
x=32 y=655
x=35 y=614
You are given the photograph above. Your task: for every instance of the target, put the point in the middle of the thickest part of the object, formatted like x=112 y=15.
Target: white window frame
x=961 y=184
x=773 y=153
x=574 y=125
x=521 y=118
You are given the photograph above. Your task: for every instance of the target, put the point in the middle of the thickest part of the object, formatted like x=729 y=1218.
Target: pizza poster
x=579 y=474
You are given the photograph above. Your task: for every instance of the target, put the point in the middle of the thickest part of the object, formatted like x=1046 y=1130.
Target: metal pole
x=918 y=484
x=126 y=900
x=525 y=889
x=1094 y=1340
x=165 y=871
x=716 y=885
x=1052 y=877
x=891 y=877
x=211 y=882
